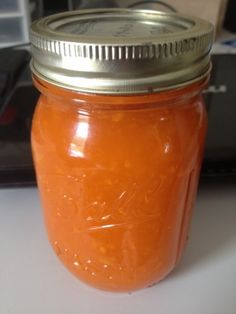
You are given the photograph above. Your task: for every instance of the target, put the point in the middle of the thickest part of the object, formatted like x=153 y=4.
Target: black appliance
x=17 y=102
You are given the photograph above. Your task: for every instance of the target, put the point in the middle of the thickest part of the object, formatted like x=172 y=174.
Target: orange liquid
x=118 y=177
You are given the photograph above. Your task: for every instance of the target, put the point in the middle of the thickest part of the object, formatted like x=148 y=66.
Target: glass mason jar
x=118 y=137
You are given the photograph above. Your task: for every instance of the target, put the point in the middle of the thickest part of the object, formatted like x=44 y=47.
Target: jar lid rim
x=120 y=50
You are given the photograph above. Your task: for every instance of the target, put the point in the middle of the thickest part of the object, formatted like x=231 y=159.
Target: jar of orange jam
x=118 y=137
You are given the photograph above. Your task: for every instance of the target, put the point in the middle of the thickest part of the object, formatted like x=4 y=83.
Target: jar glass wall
x=118 y=177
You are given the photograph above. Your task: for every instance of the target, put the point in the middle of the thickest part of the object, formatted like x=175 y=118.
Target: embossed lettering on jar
x=118 y=137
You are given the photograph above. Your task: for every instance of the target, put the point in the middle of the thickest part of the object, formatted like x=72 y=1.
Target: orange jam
x=118 y=177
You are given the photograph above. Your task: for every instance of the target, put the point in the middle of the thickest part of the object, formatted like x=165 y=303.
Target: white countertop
x=33 y=281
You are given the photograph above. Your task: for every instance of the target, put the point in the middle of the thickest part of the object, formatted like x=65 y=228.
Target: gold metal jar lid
x=120 y=51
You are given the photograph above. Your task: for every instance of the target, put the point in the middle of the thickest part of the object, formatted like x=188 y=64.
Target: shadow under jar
x=118 y=137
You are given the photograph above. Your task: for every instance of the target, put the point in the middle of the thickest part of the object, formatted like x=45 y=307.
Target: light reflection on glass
x=166 y=148
x=78 y=142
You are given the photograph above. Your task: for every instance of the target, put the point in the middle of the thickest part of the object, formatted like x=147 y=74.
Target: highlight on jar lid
x=120 y=51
